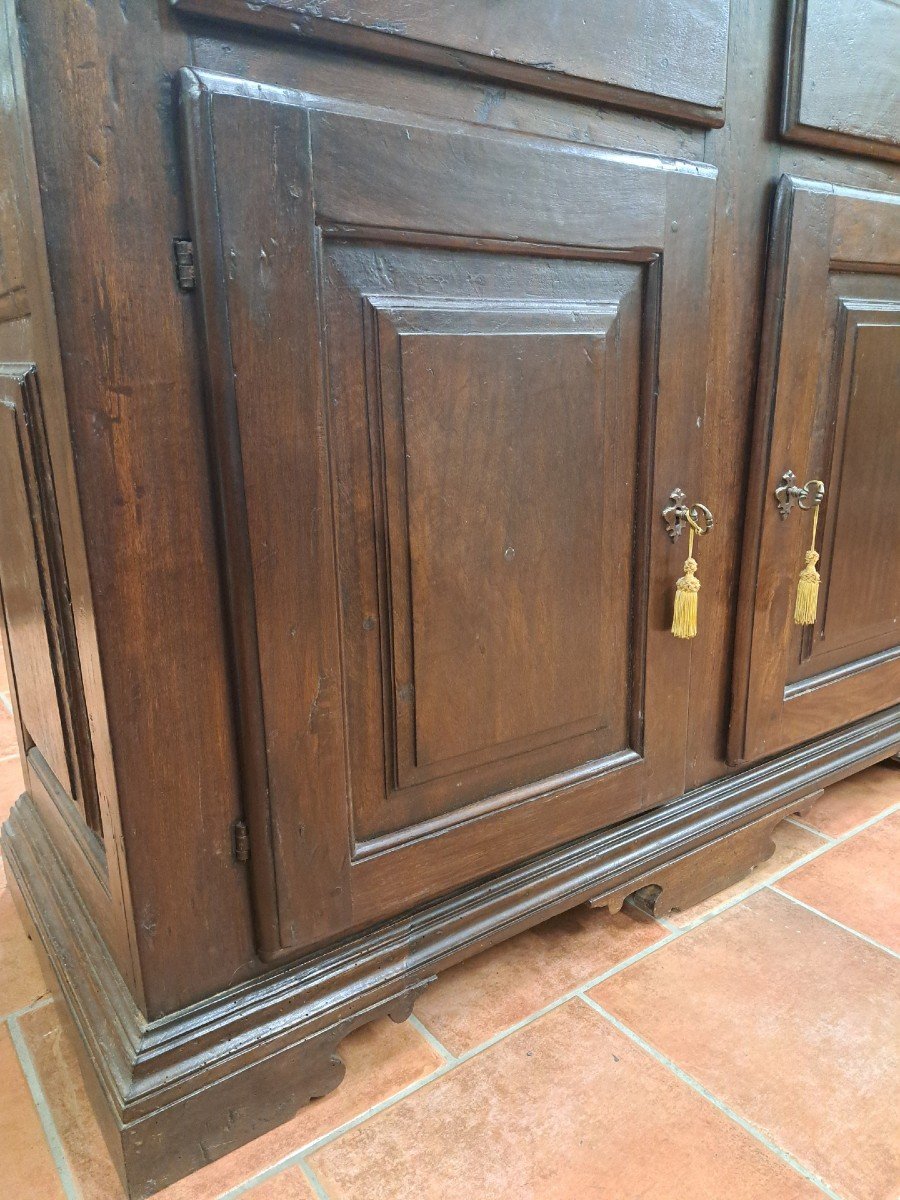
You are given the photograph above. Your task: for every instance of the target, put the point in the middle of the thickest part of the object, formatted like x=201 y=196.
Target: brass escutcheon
x=678 y=513
x=789 y=493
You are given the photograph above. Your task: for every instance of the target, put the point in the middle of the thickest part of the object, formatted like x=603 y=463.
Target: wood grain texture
x=40 y=628
x=33 y=338
x=446 y=206
x=146 y=594
x=25 y=587
x=842 y=76
x=174 y=1092
x=450 y=306
x=750 y=157
x=655 y=55
x=14 y=301
x=804 y=363
x=859 y=607
x=700 y=875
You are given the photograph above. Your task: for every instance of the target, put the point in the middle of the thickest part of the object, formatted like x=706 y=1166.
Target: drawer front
x=453 y=377
x=659 y=56
x=828 y=406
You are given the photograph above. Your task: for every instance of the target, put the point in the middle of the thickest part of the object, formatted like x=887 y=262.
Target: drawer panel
x=660 y=56
x=843 y=76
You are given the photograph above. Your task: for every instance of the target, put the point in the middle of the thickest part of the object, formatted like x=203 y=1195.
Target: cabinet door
x=829 y=409
x=454 y=376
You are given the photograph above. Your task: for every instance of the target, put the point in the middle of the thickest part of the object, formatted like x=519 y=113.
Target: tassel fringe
x=684 y=620
x=807 y=592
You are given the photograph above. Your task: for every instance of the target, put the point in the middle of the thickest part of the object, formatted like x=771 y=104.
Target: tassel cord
x=808 y=586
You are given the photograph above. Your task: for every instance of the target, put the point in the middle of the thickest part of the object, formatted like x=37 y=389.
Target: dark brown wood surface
x=174 y=1092
x=126 y=394
x=160 y=781
x=751 y=157
x=24 y=580
x=362 y=540
x=39 y=626
x=662 y=56
x=828 y=404
x=842 y=85
x=429 y=575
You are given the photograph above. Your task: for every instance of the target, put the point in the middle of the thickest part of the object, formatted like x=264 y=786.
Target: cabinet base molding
x=707 y=870
x=179 y=1091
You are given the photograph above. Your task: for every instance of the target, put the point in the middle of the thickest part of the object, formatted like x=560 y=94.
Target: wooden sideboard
x=351 y=357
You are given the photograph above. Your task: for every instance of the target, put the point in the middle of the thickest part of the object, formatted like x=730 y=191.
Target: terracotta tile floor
x=745 y=1050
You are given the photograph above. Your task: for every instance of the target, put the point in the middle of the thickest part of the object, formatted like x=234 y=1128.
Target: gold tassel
x=684 y=620
x=808 y=587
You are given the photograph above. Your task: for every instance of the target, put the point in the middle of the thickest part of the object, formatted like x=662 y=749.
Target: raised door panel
x=25 y=588
x=830 y=388
x=501 y=445
x=446 y=415
x=843 y=76
x=859 y=443
x=36 y=609
x=661 y=56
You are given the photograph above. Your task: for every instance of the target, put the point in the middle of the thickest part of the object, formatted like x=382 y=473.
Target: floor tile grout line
x=640 y=916
x=432 y=1041
x=840 y=924
x=667 y=924
x=565 y=997
x=724 y=1108
x=799 y=824
x=332 y=1135
x=51 y=1133
x=298 y=1155
x=867 y=824
x=313 y=1180
x=794 y=866
x=27 y=1008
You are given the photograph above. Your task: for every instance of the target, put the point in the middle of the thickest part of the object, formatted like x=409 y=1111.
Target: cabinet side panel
x=149 y=595
x=25 y=594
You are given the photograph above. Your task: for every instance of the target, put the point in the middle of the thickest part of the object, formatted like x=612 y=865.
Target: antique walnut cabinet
x=363 y=371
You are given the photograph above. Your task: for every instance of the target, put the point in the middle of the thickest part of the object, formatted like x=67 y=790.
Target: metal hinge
x=241 y=840
x=184 y=264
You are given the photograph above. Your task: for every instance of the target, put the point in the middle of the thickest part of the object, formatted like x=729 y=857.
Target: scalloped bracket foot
x=704 y=871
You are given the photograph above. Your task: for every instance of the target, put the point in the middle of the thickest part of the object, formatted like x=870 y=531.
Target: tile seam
x=45 y=1116
x=811 y=856
x=800 y=824
x=35 y=1006
x=301 y=1152
x=673 y=1067
x=840 y=924
x=313 y=1180
x=434 y=1042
